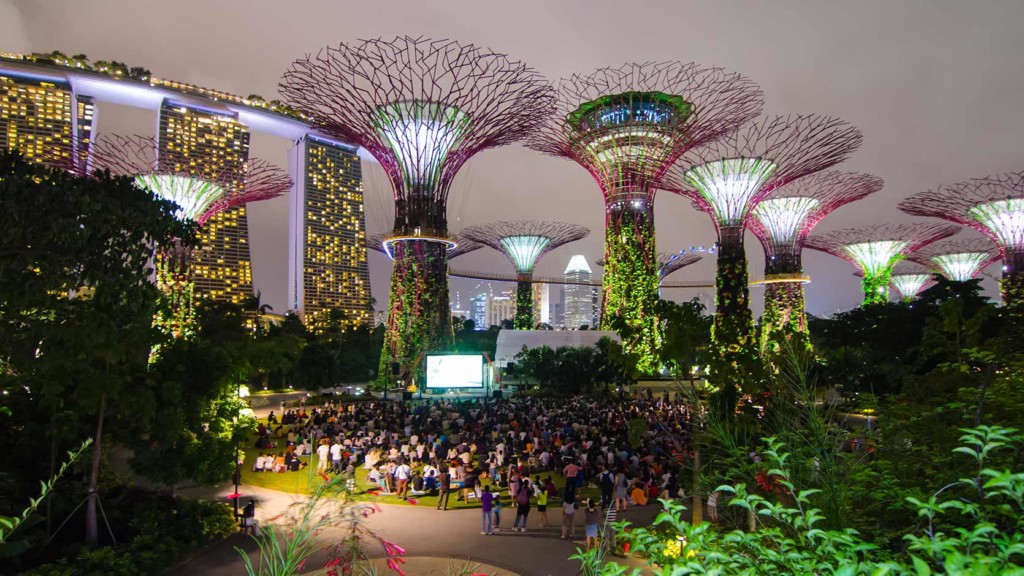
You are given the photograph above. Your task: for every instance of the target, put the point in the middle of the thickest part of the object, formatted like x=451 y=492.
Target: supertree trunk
x=784 y=315
x=876 y=286
x=1012 y=284
x=176 y=310
x=734 y=360
x=631 y=284
x=524 y=304
x=419 y=320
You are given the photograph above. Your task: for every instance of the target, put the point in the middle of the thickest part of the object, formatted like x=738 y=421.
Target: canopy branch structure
x=993 y=206
x=959 y=259
x=875 y=250
x=626 y=126
x=200 y=195
x=727 y=178
x=524 y=243
x=781 y=223
x=422 y=108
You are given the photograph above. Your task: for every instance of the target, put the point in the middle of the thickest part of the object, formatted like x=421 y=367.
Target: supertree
x=726 y=179
x=524 y=243
x=463 y=245
x=422 y=108
x=781 y=222
x=626 y=126
x=993 y=206
x=199 y=197
x=909 y=278
x=958 y=260
x=875 y=250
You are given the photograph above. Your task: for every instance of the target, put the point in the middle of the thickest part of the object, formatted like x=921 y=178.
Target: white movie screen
x=455 y=371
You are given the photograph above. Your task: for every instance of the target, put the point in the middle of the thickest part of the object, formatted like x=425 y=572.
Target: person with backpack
x=607 y=483
x=522 y=505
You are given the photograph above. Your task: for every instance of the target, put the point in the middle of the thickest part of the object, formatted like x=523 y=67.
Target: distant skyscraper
x=214 y=141
x=579 y=299
x=559 y=313
x=478 y=311
x=501 y=307
x=327 y=240
x=541 y=303
x=41 y=118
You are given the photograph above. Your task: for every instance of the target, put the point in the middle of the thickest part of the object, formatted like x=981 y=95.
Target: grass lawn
x=304 y=482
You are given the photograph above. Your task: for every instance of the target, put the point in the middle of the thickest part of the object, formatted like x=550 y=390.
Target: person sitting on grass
x=430 y=480
x=259 y=464
x=638 y=496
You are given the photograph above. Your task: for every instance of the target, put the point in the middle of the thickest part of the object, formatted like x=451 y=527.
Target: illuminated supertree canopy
x=422 y=108
x=909 y=279
x=959 y=259
x=463 y=245
x=199 y=197
x=626 y=126
x=993 y=206
x=524 y=243
x=875 y=250
x=729 y=177
x=781 y=223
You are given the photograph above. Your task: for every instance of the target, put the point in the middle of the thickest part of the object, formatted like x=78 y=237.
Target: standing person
x=444 y=482
x=713 y=507
x=402 y=474
x=607 y=482
x=323 y=453
x=568 y=516
x=336 y=449
x=542 y=507
x=621 y=488
x=486 y=508
x=591 y=520
x=570 y=472
x=522 y=505
x=496 y=505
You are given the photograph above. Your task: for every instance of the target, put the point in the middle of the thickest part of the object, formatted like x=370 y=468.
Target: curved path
x=423 y=532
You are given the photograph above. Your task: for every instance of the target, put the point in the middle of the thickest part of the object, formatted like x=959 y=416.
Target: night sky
x=936 y=87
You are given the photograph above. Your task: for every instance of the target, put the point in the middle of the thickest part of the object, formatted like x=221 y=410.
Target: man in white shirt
x=323 y=452
x=402 y=474
x=336 y=449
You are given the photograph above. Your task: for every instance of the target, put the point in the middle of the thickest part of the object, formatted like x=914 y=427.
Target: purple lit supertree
x=199 y=197
x=909 y=278
x=626 y=126
x=726 y=179
x=524 y=243
x=781 y=222
x=993 y=206
x=422 y=108
x=875 y=250
x=463 y=245
x=958 y=260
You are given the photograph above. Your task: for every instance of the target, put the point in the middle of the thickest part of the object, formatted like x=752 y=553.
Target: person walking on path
x=591 y=520
x=444 y=489
x=621 y=491
x=522 y=506
x=486 y=507
x=607 y=483
x=568 y=517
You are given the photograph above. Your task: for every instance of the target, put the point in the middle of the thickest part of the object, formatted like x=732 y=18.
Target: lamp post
x=242 y=392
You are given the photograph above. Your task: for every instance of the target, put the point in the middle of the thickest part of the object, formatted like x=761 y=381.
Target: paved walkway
x=423 y=532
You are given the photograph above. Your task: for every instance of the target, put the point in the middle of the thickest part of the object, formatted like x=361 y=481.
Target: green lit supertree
x=726 y=179
x=199 y=197
x=959 y=259
x=422 y=108
x=781 y=222
x=909 y=279
x=875 y=250
x=524 y=243
x=993 y=206
x=626 y=126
